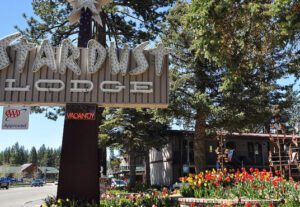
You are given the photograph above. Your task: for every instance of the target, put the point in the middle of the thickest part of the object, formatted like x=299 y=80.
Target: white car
x=118 y=183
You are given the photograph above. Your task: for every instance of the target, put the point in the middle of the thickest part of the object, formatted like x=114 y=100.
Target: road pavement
x=26 y=196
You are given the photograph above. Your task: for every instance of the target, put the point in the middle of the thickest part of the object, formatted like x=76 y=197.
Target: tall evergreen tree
x=6 y=155
x=33 y=157
x=42 y=156
x=126 y=21
x=1 y=158
x=227 y=58
x=135 y=132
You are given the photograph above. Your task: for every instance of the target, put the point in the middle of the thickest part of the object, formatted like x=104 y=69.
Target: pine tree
x=6 y=155
x=42 y=156
x=1 y=158
x=227 y=58
x=33 y=157
x=134 y=132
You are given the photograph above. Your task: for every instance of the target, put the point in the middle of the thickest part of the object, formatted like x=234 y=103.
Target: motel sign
x=45 y=75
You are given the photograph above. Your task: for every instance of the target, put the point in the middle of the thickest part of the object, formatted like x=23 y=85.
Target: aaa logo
x=13 y=113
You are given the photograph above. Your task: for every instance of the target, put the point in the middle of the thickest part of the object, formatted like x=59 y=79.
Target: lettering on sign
x=80 y=116
x=44 y=75
x=80 y=113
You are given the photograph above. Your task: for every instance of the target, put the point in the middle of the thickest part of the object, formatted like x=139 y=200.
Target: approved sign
x=15 y=117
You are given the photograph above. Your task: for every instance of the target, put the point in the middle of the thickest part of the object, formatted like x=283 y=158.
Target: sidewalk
x=37 y=203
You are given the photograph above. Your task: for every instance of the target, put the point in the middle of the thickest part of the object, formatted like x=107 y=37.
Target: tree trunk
x=85 y=28
x=100 y=31
x=199 y=142
x=132 y=166
x=147 y=181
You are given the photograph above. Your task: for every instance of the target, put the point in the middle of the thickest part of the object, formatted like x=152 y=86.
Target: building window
x=250 y=150
x=191 y=152
x=210 y=148
x=255 y=152
x=230 y=145
x=188 y=152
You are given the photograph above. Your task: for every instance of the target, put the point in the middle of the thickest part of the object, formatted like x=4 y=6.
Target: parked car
x=37 y=183
x=176 y=186
x=118 y=183
x=56 y=182
x=4 y=183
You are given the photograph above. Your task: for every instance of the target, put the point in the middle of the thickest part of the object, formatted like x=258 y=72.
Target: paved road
x=26 y=196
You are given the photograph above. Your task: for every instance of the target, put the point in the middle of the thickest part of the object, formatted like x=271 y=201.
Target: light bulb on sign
x=45 y=57
x=68 y=60
x=4 y=43
x=22 y=48
x=159 y=52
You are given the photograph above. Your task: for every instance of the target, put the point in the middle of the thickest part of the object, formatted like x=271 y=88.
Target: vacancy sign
x=15 y=117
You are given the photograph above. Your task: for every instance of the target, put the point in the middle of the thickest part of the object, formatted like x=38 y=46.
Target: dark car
x=4 y=183
x=37 y=183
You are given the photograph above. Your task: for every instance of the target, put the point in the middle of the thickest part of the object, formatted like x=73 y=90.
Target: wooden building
x=176 y=159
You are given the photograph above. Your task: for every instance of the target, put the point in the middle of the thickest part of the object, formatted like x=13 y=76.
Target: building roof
x=5 y=169
x=48 y=170
x=260 y=136
x=10 y=169
x=180 y=132
x=25 y=166
x=234 y=135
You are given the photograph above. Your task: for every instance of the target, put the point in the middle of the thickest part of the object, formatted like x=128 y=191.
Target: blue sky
x=41 y=131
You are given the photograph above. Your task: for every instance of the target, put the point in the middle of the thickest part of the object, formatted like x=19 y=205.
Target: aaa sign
x=15 y=117
x=45 y=75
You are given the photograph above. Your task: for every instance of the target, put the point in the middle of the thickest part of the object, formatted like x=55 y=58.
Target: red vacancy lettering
x=81 y=116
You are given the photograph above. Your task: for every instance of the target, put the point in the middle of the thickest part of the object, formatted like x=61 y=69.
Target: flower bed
x=240 y=188
x=188 y=202
x=151 y=199
x=120 y=199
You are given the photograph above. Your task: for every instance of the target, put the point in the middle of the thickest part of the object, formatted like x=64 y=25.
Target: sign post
x=80 y=161
x=79 y=166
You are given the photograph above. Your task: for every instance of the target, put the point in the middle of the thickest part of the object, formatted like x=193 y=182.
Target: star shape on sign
x=95 y=6
x=159 y=52
x=22 y=48
x=4 y=43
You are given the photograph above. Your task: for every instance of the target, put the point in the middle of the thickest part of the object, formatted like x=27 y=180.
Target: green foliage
x=228 y=57
x=134 y=132
x=186 y=191
x=127 y=21
x=17 y=155
x=33 y=158
x=123 y=127
x=244 y=35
